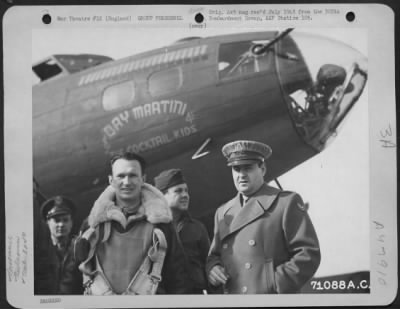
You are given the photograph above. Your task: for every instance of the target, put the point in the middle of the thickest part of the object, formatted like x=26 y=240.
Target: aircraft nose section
x=321 y=79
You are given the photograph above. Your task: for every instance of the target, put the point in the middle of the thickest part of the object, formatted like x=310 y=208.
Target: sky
x=335 y=182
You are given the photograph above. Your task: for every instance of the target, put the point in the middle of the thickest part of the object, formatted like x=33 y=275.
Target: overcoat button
x=225 y=246
x=247 y=265
x=252 y=242
x=244 y=289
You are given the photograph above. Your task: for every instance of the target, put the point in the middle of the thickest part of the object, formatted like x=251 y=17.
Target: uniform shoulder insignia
x=303 y=207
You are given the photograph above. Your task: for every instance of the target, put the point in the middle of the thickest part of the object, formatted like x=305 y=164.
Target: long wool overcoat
x=269 y=246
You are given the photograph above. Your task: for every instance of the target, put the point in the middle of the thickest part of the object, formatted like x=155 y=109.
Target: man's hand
x=218 y=275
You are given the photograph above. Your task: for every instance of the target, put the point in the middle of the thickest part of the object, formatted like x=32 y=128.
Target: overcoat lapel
x=224 y=226
x=254 y=208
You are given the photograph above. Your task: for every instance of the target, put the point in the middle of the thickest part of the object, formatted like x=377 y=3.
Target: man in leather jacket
x=122 y=222
x=192 y=233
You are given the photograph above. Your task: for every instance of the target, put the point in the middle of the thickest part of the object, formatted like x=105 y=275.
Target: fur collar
x=154 y=207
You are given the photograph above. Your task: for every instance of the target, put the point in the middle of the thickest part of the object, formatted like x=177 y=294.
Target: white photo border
x=18 y=25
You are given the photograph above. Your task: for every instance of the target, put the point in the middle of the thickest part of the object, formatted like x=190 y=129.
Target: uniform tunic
x=267 y=246
x=55 y=272
x=196 y=243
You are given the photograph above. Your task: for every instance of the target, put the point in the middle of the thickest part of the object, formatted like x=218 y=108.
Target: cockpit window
x=241 y=59
x=58 y=65
x=119 y=95
x=164 y=82
x=47 y=69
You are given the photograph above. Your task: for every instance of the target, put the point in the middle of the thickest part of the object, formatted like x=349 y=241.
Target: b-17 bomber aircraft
x=178 y=105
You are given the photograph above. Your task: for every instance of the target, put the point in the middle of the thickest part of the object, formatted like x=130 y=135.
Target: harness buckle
x=152 y=253
x=88 y=283
x=155 y=278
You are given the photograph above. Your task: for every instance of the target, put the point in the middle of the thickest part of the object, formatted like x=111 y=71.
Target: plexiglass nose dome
x=320 y=93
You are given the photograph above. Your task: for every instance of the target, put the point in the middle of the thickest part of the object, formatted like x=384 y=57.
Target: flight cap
x=246 y=152
x=57 y=205
x=168 y=179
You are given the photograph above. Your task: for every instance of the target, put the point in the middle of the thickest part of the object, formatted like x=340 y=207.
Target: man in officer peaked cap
x=192 y=233
x=55 y=269
x=245 y=152
x=264 y=241
x=57 y=205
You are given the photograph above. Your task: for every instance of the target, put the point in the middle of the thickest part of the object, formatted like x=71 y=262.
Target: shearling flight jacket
x=154 y=210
